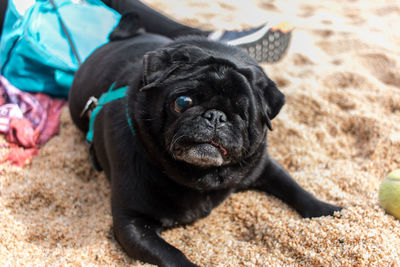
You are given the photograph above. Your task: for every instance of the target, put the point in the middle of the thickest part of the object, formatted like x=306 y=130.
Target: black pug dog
x=200 y=111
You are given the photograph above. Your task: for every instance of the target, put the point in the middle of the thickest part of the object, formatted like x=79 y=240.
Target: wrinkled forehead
x=212 y=79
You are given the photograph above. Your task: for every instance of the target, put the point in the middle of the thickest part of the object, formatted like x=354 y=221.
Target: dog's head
x=203 y=110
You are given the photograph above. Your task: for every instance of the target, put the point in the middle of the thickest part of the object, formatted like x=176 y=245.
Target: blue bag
x=36 y=53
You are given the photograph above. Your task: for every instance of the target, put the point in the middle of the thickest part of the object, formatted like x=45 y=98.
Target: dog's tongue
x=223 y=149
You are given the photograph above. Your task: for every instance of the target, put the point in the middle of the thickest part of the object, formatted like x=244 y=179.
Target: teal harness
x=105 y=98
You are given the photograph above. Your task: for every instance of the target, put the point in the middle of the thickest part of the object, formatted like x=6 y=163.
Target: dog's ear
x=159 y=64
x=272 y=101
x=129 y=25
x=274 y=97
x=155 y=63
x=270 y=97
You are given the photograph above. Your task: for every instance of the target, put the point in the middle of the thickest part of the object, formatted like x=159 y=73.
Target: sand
x=338 y=135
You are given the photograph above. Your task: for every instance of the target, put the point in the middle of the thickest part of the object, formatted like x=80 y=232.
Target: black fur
x=181 y=164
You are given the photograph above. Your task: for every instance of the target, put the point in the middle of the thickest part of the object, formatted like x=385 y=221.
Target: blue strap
x=105 y=98
x=128 y=118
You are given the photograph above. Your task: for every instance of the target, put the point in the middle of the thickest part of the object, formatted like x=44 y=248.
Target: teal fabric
x=35 y=54
x=128 y=118
x=105 y=98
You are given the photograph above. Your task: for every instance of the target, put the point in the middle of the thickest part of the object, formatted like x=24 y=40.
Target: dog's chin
x=201 y=155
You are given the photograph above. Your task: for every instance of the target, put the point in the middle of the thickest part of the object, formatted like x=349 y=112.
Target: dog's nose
x=215 y=117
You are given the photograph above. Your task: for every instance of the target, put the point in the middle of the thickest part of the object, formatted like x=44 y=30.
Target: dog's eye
x=182 y=103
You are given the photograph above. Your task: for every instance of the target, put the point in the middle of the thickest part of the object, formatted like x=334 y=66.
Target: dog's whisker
x=174 y=140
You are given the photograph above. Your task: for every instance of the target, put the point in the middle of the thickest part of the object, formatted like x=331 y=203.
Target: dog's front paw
x=318 y=209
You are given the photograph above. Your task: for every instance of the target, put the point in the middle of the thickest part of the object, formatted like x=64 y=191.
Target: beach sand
x=338 y=135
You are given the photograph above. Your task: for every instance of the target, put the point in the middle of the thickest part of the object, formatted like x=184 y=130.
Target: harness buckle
x=90 y=105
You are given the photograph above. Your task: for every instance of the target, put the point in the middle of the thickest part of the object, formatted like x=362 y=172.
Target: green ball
x=389 y=193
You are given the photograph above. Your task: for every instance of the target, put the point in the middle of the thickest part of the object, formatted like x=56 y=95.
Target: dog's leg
x=277 y=181
x=140 y=237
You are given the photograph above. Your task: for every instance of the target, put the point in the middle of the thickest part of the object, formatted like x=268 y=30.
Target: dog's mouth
x=206 y=154
x=221 y=148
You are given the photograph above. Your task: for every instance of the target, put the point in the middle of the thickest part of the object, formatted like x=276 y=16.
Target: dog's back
x=107 y=64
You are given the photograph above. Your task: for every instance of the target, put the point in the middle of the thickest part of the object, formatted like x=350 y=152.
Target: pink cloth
x=28 y=120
